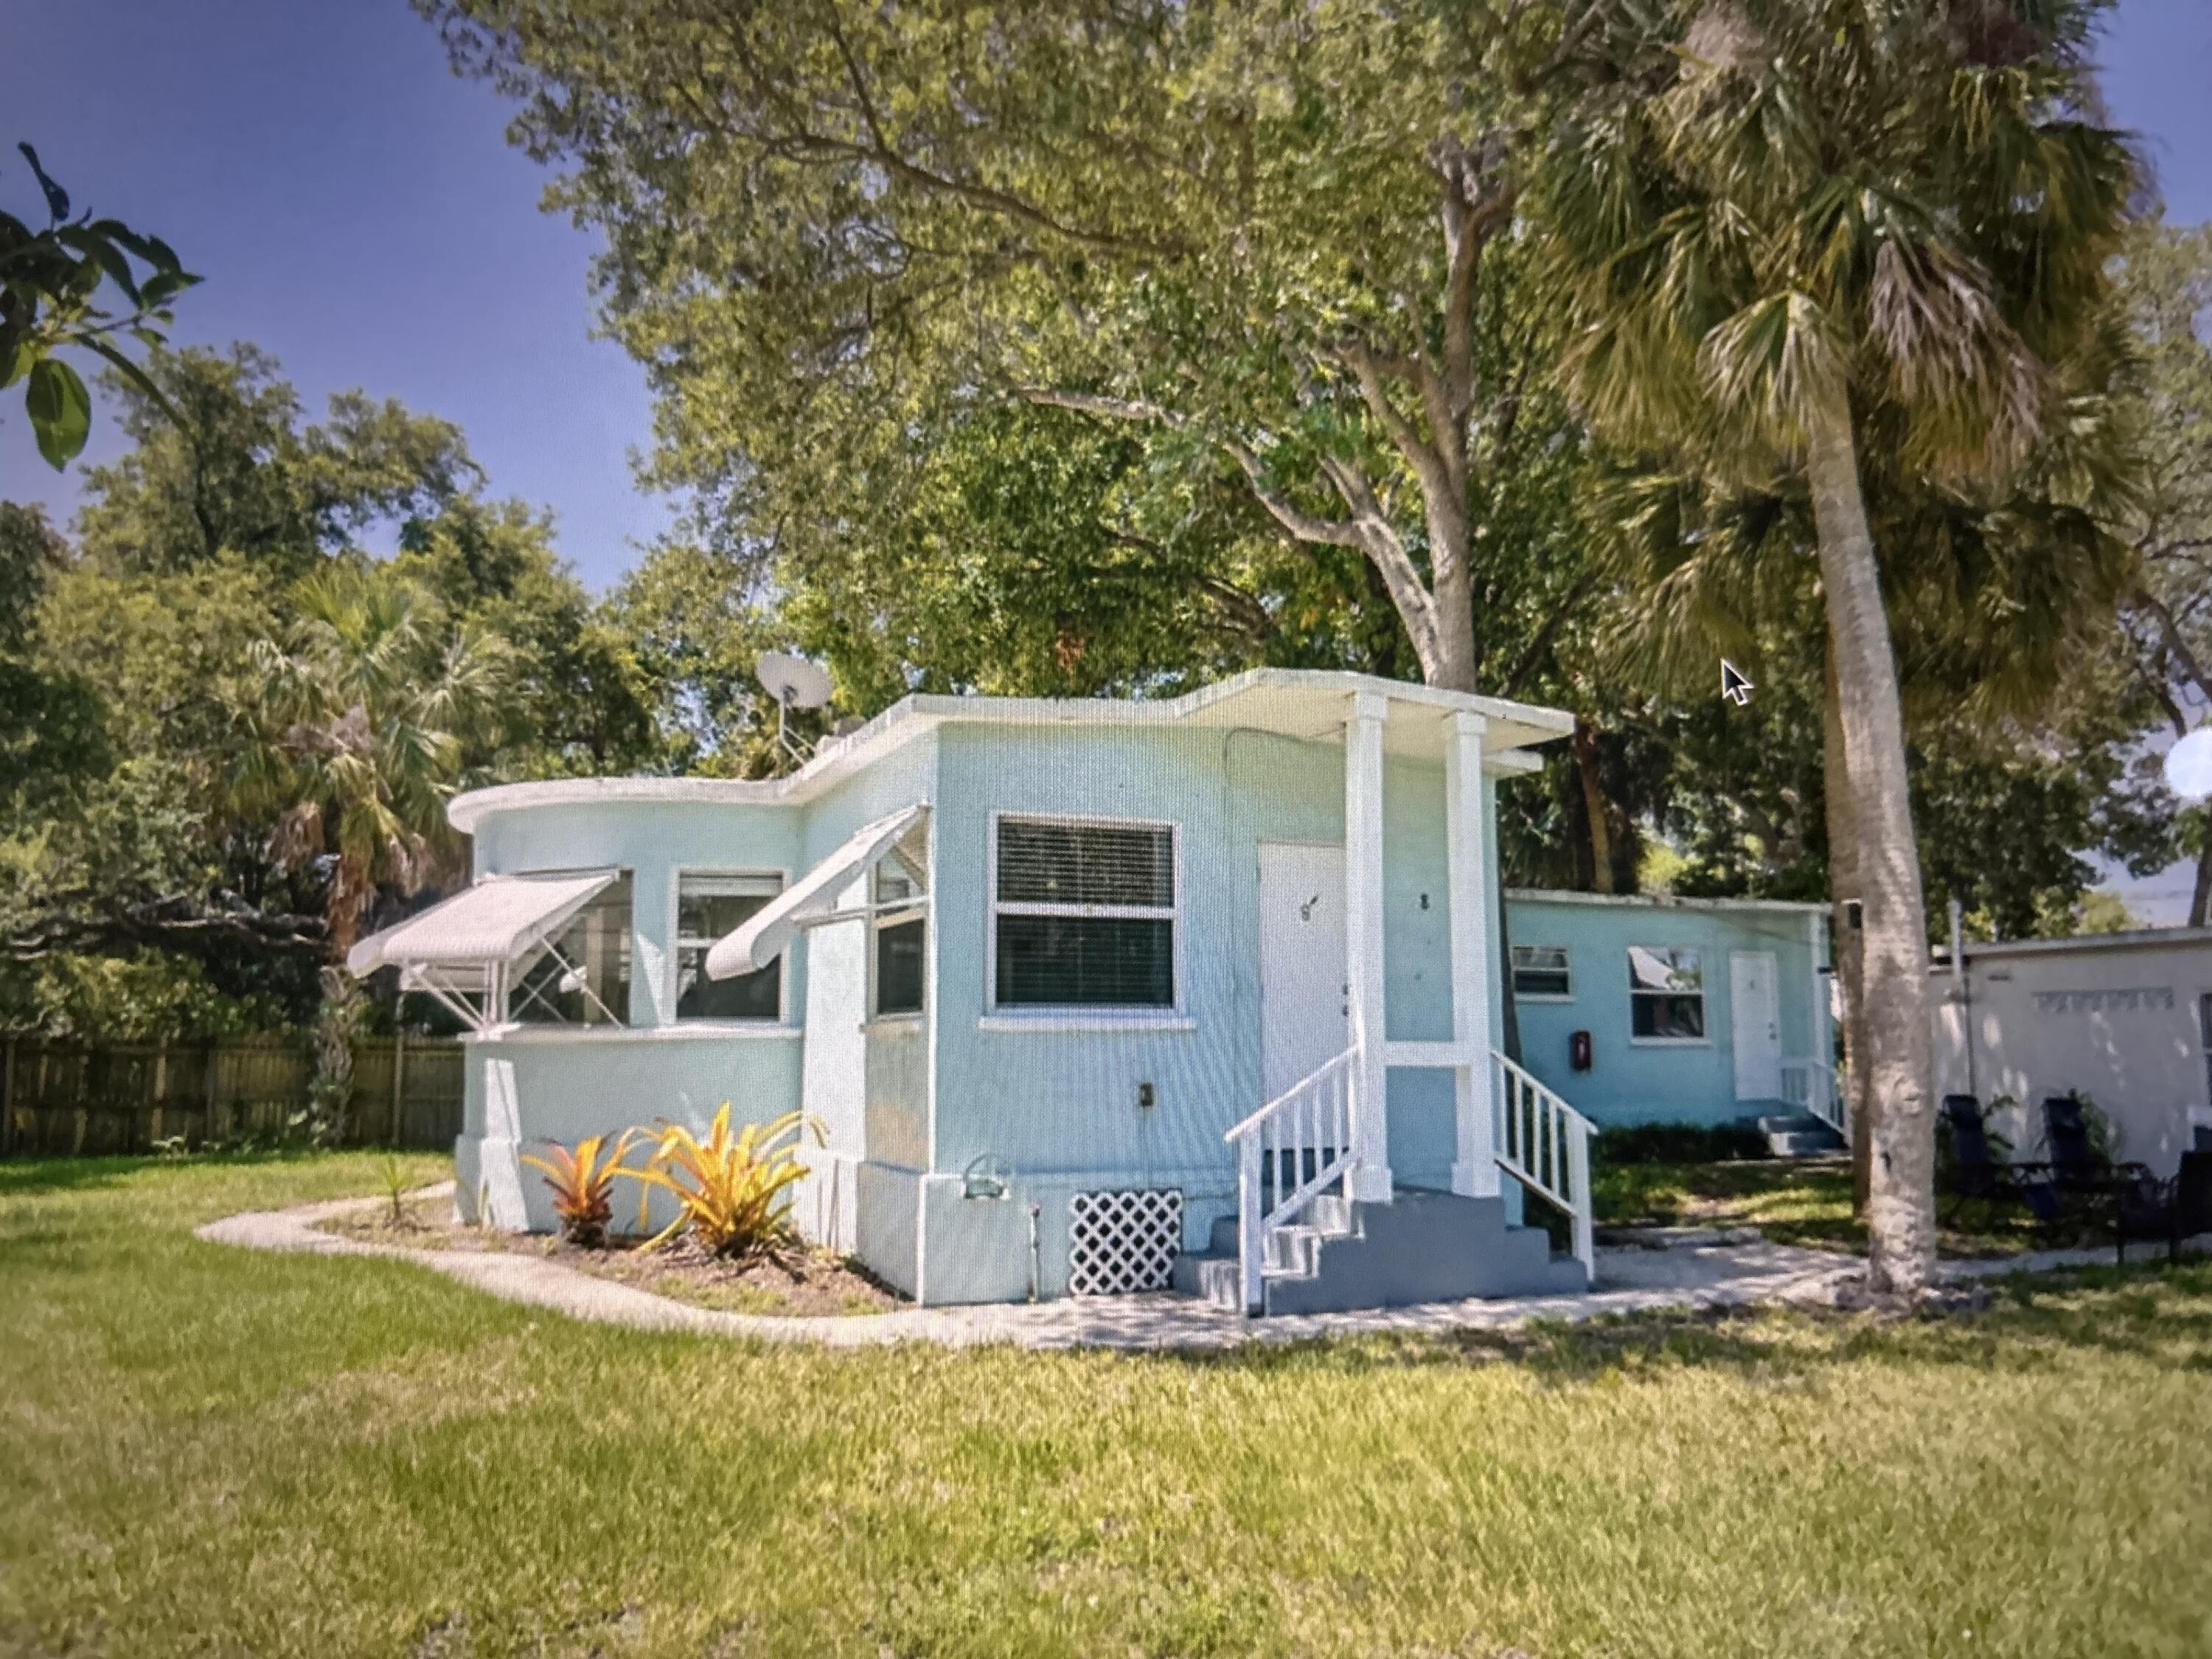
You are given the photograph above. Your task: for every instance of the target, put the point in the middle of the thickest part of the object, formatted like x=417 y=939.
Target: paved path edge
x=1631 y=1279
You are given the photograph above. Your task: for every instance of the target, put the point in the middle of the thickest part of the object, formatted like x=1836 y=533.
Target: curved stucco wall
x=573 y=1082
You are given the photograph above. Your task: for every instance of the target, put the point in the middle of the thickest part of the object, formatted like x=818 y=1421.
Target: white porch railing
x=1810 y=1087
x=1287 y=1153
x=1543 y=1143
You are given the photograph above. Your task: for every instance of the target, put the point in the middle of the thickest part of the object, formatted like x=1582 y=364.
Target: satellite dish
x=2188 y=765
x=794 y=682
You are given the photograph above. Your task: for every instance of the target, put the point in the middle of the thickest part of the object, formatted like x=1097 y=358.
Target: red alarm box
x=1578 y=1051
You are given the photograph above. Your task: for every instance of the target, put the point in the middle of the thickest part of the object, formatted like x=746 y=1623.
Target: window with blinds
x=1085 y=915
x=708 y=907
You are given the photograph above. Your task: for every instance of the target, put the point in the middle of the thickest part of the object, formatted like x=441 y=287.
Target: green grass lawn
x=1791 y=1201
x=204 y=1450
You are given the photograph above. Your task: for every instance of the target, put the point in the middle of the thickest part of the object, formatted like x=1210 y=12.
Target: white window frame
x=1567 y=967
x=1703 y=993
x=912 y=914
x=1082 y=1016
x=673 y=987
x=618 y=1022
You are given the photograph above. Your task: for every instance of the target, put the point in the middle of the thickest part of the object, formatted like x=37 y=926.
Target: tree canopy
x=179 y=705
x=1107 y=348
x=1272 y=238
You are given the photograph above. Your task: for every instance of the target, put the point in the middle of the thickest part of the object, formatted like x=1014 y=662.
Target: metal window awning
x=813 y=897
x=467 y=945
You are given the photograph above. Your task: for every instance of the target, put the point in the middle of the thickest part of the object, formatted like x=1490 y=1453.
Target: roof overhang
x=1310 y=705
x=1660 y=902
x=813 y=897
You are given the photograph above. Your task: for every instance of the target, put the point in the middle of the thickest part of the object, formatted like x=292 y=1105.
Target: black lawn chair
x=1977 y=1175
x=1974 y=1174
x=2148 y=1208
x=2088 y=1182
x=2066 y=1139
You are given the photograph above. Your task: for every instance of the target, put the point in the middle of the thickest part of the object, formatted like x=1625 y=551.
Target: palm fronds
x=358 y=720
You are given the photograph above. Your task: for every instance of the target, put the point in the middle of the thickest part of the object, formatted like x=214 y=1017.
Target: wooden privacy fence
x=85 y=1099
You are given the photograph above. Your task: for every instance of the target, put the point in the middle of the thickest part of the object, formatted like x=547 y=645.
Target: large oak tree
x=1278 y=239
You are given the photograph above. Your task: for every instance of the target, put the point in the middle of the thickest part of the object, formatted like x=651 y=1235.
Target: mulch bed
x=802 y=1281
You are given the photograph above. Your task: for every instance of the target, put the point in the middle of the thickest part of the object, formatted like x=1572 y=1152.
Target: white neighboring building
x=2123 y=1019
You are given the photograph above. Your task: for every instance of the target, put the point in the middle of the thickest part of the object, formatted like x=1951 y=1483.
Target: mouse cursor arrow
x=1734 y=687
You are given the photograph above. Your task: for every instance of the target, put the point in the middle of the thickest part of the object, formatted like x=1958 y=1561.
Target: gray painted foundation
x=1425 y=1246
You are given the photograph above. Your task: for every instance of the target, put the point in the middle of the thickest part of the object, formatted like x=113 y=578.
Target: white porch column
x=1821 y=1041
x=1474 y=1164
x=1362 y=944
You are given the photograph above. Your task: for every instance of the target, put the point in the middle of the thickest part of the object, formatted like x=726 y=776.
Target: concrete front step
x=1800 y=1136
x=1424 y=1247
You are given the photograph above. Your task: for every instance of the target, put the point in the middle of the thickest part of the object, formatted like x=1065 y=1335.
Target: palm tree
x=364 y=713
x=1797 y=229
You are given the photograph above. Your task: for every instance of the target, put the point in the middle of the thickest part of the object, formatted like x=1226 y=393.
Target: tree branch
x=2171 y=637
x=1368 y=367
x=1243 y=612
x=1386 y=551
x=802 y=142
x=1533 y=655
x=1304 y=527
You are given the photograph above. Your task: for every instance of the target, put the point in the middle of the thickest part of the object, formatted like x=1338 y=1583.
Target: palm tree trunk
x=1596 y=806
x=1901 y=1058
x=2200 y=901
x=1845 y=942
x=338 y=1023
x=339 y=1020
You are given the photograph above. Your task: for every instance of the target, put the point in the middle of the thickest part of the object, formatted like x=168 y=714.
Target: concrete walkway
x=1728 y=1271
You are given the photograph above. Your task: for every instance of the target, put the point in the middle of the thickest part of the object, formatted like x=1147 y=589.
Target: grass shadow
x=2155 y=1313
x=1801 y=1201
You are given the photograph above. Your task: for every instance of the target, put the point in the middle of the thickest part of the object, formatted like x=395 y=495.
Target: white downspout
x=1966 y=996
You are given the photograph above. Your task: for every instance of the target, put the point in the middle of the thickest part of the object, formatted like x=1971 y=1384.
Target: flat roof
x=2138 y=939
x=1307 y=704
x=1662 y=900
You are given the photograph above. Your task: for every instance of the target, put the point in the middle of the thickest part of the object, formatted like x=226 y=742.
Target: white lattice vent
x=1120 y=1242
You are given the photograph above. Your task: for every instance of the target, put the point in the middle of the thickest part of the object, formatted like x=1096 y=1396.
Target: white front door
x=1304 y=1017
x=1755 y=1013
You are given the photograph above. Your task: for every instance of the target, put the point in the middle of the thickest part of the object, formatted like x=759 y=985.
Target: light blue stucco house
x=1087 y=996
x=1652 y=1009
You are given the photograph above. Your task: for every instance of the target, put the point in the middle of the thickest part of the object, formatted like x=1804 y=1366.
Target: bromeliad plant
x=583 y=1184
x=729 y=1188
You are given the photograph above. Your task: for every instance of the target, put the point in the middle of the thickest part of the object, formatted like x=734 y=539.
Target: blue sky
x=355 y=210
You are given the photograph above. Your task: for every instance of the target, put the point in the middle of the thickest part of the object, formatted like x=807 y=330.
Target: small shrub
x=1678 y=1143
x=393 y=1174
x=583 y=1185
x=729 y=1189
